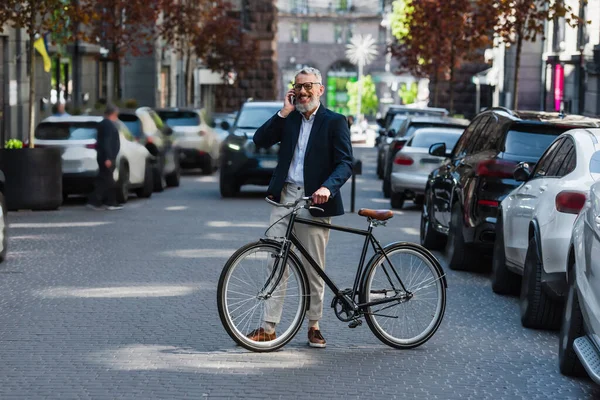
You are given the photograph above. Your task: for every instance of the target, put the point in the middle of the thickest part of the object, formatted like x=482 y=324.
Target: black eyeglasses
x=306 y=85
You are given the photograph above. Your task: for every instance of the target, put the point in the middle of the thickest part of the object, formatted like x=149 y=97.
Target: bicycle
x=254 y=282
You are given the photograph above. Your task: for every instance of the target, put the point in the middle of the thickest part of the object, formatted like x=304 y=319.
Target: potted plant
x=33 y=177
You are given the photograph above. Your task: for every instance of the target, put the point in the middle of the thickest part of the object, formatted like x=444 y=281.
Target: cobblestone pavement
x=123 y=305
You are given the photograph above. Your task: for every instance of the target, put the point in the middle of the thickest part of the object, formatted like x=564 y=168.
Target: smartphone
x=293 y=100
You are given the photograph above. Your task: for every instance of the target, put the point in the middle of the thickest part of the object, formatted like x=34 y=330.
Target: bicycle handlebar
x=306 y=199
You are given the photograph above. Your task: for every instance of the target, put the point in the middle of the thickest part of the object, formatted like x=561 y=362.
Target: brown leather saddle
x=380 y=215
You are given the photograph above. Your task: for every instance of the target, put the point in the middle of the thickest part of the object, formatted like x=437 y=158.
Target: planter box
x=33 y=178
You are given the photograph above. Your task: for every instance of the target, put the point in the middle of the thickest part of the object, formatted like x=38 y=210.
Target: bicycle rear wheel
x=249 y=294
x=411 y=320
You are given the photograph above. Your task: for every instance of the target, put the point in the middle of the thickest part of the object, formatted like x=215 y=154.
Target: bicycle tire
x=435 y=280
x=225 y=307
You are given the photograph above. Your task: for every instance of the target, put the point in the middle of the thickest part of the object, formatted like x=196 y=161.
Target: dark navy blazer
x=327 y=160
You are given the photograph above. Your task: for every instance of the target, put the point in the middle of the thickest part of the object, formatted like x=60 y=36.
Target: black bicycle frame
x=291 y=238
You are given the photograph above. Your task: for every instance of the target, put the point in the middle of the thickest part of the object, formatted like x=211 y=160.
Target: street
x=123 y=305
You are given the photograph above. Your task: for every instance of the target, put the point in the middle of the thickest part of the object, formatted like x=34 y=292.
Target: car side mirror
x=438 y=149
x=380 y=122
x=522 y=172
x=392 y=133
x=225 y=125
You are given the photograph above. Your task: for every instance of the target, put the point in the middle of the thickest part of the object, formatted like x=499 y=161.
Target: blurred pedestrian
x=60 y=110
x=107 y=148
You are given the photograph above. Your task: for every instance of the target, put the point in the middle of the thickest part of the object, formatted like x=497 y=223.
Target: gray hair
x=309 y=71
x=110 y=109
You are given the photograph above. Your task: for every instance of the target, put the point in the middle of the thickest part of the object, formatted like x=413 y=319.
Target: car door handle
x=526 y=187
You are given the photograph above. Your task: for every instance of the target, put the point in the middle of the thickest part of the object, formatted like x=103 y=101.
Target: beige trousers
x=314 y=239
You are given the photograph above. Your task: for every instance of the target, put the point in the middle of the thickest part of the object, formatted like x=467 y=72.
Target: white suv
x=534 y=226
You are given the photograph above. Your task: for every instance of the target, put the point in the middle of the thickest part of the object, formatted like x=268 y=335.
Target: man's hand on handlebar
x=321 y=196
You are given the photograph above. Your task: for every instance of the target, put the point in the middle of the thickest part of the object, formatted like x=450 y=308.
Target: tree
x=518 y=20
x=125 y=28
x=39 y=17
x=435 y=37
x=407 y=93
x=207 y=30
x=369 y=102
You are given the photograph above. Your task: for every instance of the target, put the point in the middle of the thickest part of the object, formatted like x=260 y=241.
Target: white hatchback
x=534 y=225
x=76 y=137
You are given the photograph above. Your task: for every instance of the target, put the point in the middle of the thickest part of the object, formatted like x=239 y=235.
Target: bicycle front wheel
x=414 y=279
x=255 y=288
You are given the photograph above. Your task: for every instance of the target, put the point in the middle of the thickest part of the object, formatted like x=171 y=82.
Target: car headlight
x=234 y=147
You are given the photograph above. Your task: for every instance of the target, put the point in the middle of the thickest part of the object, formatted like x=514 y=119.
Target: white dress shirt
x=296 y=171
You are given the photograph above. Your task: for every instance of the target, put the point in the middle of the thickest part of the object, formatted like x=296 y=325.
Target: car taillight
x=496 y=168
x=401 y=159
x=90 y=146
x=399 y=145
x=570 y=202
x=488 y=203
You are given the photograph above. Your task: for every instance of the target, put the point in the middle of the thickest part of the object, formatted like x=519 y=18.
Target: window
x=349 y=32
x=294 y=33
x=481 y=136
x=561 y=156
x=546 y=160
x=304 y=32
x=254 y=117
x=66 y=131
x=426 y=138
x=461 y=147
x=569 y=164
x=180 y=118
x=530 y=142
x=132 y=122
x=338 y=32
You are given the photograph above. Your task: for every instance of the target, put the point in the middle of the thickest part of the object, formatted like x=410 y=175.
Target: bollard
x=356 y=170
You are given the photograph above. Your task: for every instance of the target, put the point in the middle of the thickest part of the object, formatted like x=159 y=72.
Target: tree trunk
x=117 y=79
x=359 y=100
x=517 y=68
x=31 y=90
x=451 y=83
x=188 y=78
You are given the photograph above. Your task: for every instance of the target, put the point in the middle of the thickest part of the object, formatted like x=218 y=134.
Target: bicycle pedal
x=355 y=323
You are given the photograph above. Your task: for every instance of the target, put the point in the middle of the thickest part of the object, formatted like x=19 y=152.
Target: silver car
x=413 y=163
x=579 y=341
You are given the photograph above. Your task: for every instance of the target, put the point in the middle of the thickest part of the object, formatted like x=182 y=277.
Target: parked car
x=579 y=339
x=241 y=161
x=413 y=164
x=534 y=224
x=462 y=196
x=150 y=130
x=197 y=142
x=389 y=126
x=404 y=133
x=76 y=136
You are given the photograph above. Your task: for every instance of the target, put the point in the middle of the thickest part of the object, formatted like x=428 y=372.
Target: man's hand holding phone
x=289 y=103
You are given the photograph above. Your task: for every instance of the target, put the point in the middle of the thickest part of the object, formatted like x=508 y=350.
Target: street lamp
x=361 y=51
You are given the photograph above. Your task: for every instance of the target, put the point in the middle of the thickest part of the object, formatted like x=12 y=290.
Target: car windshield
x=254 y=117
x=414 y=126
x=397 y=122
x=530 y=144
x=426 y=139
x=132 y=122
x=66 y=131
x=180 y=118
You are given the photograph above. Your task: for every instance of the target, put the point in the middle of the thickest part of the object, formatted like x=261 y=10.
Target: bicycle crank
x=355 y=323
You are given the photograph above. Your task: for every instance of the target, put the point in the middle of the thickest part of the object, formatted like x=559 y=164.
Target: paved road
x=123 y=305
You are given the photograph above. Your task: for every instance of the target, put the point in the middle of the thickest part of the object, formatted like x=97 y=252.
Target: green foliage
x=401 y=18
x=13 y=144
x=369 y=102
x=131 y=103
x=408 y=94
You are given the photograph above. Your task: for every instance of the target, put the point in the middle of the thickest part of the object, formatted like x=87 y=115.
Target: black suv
x=401 y=136
x=242 y=162
x=462 y=196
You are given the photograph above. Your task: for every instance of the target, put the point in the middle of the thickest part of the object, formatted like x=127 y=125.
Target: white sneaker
x=94 y=207
x=112 y=208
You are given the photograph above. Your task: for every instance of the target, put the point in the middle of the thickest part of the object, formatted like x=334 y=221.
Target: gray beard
x=313 y=103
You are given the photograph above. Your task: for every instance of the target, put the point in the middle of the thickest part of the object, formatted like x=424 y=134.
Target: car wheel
x=123 y=184
x=571 y=329
x=3 y=228
x=207 y=166
x=386 y=187
x=538 y=309
x=379 y=167
x=430 y=238
x=503 y=280
x=159 y=179
x=460 y=256
x=146 y=190
x=419 y=199
x=174 y=178
x=228 y=186
x=397 y=200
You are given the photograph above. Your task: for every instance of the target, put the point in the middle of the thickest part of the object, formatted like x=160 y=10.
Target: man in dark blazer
x=108 y=145
x=315 y=159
